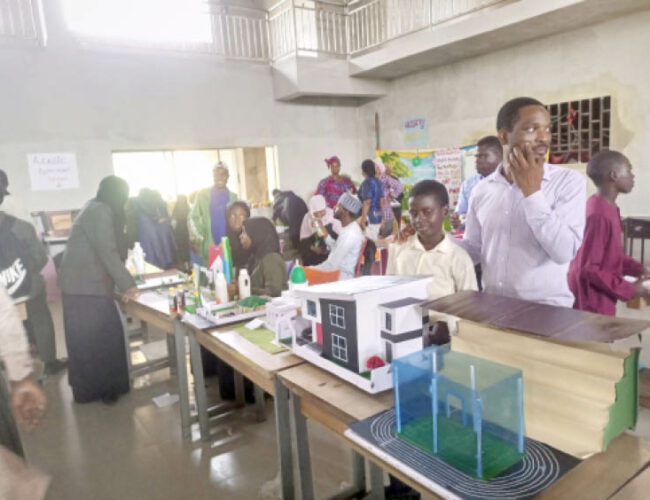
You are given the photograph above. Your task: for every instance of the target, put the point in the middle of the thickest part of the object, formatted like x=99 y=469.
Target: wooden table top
x=604 y=474
x=153 y=308
x=245 y=357
x=331 y=400
x=559 y=323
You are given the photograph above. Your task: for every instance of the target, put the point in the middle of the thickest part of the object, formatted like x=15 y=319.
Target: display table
x=328 y=400
x=152 y=308
x=249 y=361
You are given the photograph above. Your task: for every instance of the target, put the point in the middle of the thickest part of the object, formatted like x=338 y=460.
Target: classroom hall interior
x=169 y=95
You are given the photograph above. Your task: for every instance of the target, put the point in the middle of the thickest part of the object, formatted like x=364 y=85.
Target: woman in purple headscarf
x=333 y=186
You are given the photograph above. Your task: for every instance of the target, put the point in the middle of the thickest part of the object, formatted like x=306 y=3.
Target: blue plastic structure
x=463 y=409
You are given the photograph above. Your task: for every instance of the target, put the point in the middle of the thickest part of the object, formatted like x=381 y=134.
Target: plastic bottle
x=138 y=259
x=244 y=284
x=218 y=264
x=173 y=302
x=221 y=288
x=180 y=297
x=298 y=274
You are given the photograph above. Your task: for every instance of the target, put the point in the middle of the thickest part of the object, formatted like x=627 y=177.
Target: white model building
x=401 y=327
x=279 y=318
x=346 y=326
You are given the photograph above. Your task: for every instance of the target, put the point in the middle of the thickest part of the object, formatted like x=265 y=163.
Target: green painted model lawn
x=457 y=446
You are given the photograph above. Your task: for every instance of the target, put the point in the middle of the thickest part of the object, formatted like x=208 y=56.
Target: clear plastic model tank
x=465 y=410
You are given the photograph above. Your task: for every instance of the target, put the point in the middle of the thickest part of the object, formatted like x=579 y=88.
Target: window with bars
x=339 y=347
x=579 y=129
x=337 y=316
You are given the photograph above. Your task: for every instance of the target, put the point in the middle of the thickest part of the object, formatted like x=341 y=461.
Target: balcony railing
x=290 y=27
x=374 y=22
x=309 y=27
x=21 y=22
x=240 y=33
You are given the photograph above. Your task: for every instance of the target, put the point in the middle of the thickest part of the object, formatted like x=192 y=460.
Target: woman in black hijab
x=266 y=267
x=237 y=213
x=114 y=192
x=91 y=269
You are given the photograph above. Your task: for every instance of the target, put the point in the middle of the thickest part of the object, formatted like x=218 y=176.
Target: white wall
x=461 y=100
x=94 y=100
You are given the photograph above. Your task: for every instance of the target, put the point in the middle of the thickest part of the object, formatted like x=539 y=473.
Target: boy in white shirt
x=429 y=250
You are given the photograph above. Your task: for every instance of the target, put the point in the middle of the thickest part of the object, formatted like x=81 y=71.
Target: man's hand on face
x=525 y=169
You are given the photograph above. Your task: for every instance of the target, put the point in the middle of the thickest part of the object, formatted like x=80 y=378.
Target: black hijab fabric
x=240 y=255
x=114 y=192
x=264 y=237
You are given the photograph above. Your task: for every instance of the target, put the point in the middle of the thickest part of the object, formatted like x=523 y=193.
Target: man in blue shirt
x=372 y=197
x=488 y=158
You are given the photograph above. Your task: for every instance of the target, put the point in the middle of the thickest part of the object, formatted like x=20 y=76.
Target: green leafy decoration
x=395 y=165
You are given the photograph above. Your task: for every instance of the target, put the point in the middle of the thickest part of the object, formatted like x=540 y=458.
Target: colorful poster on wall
x=449 y=171
x=416 y=132
x=410 y=167
x=50 y=171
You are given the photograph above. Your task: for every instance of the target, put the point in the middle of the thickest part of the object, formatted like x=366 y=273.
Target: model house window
x=311 y=308
x=389 y=322
x=337 y=317
x=339 y=347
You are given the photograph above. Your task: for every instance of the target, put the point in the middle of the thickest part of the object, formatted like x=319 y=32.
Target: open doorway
x=253 y=171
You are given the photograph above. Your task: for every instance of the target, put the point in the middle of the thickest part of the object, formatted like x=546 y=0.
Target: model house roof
x=396 y=304
x=349 y=289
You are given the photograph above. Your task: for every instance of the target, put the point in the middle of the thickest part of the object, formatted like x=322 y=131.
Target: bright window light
x=143 y=21
x=174 y=172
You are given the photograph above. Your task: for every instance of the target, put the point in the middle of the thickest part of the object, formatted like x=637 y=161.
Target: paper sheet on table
x=165 y=400
x=254 y=324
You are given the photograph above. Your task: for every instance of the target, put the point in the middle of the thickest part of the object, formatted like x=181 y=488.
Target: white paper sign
x=50 y=171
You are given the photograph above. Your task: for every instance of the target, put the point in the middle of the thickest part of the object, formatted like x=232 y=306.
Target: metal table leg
x=302 y=445
x=181 y=376
x=358 y=472
x=283 y=436
x=199 y=387
x=171 y=354
x=376 y=482
x=260 y=406
x=127 y=341
x=240 y=393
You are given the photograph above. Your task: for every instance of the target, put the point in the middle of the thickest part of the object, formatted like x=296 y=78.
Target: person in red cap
x=333 y=186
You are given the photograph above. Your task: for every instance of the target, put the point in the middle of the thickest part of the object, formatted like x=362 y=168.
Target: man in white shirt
x=525 y=221
x=346 y=249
